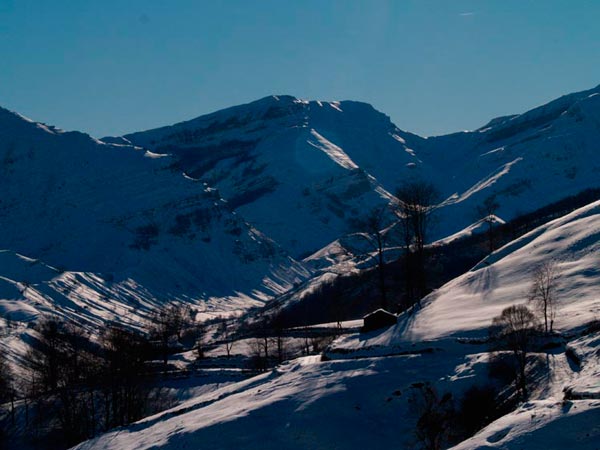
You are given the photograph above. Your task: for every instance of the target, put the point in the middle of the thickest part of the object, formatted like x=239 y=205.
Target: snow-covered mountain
x=121 y=215
x=221 y=210
x=224 y=206
x=526 y=160
x=303 y=171
x=300 y=171
x=362 y=396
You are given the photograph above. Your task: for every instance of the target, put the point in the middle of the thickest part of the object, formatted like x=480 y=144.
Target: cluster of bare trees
x=443 y=421
x=518 y=326
x=168 y=324
x=269 y=344
x=413 y=207
x=74 y=387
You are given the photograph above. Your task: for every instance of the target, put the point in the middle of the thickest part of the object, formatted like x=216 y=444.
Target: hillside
x=301 y=171
x=526 y=161
x=365 y=393
x=122 y=221
x=218 y=211
x=321 y=165
x=257 y=187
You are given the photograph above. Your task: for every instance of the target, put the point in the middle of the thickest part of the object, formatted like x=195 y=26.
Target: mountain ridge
x=290 y=175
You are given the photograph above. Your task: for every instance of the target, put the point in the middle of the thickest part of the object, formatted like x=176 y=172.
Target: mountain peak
x=14 y=122
x=536 y=117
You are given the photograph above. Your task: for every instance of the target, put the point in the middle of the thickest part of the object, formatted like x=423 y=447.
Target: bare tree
x=226 y=336
x=263 y=333
x=337 y=304
x=515 y=328
x=171 y=319
x=168 y=322
x=55 y=359
x=258 y=360
x=45 y=356
x=62 y=369
x=306 y=340
x=374 y=232
x=200 y=340
x=5 y=379
x=436 y=413
x=415 y=207
x=124 y=377
x=278 y=325
x=543 y=292
x=6 y=389
x=487 y=211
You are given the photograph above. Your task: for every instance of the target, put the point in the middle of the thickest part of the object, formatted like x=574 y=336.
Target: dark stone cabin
x=378 y=319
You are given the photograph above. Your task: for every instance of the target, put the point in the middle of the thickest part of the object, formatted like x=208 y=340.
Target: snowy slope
x=465 y=306
x=320 y=165
x=302 y=404
x=218 y=207
x=550 y=421
x=351 y=404
x=121 y=215
x=300 y=171
x=362 y=397
x=527 y=160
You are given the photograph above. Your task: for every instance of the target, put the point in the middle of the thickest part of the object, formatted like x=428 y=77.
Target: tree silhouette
x=415 y=208
x=543 y=292
x=515 y=328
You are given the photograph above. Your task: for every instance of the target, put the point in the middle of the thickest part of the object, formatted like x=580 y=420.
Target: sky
x=110 y=67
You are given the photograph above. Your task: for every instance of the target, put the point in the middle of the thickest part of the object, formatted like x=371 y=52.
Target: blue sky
x=110 y=67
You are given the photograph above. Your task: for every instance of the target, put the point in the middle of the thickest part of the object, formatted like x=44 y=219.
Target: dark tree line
x=444 y=421
x=74 y=387
x=90 y=387
x=416 y=206
x=168 y=325
x=413 y=207
x=375 y=232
